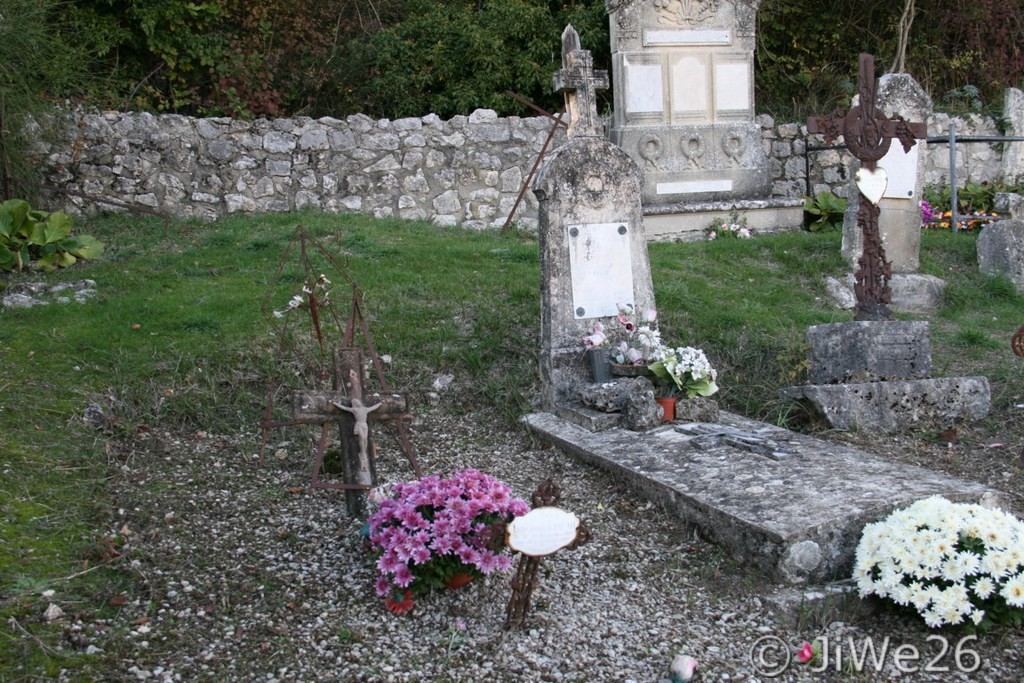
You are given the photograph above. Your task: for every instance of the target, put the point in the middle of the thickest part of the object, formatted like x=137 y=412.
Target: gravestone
x=873 y=374
x=684 y=110
x=899 y=220
x=1001 y=244
x=592 y=241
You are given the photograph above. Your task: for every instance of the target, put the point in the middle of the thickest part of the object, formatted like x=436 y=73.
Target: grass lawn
x=182 y=336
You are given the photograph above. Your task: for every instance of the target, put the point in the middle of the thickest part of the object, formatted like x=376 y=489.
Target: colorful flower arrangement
x=941 y=220
x=434 y=528
x=733 y=227
x=952 y=562
x=684 y=369
x=634 y=342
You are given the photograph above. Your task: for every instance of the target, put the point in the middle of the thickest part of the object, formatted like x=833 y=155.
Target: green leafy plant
x=40 y=238
x=827 y=209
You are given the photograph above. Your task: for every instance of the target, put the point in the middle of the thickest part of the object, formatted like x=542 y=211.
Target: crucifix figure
x=868 y=134
x=580 y=83
x=361 y=431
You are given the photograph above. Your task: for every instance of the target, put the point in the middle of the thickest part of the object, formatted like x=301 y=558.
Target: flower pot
x=600 y=365
x=458 y=580
x=668 y=406
x=400 y=606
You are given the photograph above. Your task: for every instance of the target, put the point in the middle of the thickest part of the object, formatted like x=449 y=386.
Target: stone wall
x=464 y=171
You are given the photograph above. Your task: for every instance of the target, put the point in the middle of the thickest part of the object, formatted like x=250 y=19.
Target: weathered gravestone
x=592 y=242
x=684 y=110
x=1001 y=244
x=874 y=373
x=899 y=218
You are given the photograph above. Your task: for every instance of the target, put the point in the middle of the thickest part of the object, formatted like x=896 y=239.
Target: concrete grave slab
x=789 y=504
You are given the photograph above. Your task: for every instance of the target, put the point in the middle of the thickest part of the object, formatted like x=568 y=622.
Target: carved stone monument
x=592 y=241
x=684 y=97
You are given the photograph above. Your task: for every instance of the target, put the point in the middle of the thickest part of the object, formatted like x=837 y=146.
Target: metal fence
x=951 y=139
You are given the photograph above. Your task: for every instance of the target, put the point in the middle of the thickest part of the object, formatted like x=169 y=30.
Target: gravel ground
x=241 y=573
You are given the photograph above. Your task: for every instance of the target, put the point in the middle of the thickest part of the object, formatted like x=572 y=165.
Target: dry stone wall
x=464 y=171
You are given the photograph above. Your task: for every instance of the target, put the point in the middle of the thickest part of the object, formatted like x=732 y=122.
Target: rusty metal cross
x=580 y=83
x=868 y=133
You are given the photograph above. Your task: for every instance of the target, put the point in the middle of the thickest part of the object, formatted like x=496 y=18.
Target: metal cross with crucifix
x=868 y=133
x=352 y=410
x=580 y=83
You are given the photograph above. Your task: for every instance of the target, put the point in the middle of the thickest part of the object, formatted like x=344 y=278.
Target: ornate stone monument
x=684 y=97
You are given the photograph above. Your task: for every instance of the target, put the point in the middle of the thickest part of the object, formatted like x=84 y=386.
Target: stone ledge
x=896 y=405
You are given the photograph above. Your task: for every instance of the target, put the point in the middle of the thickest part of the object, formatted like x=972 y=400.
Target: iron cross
x=868 y=134
x=580 y=83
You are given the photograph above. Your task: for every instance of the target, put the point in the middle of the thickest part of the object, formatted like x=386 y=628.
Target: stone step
x=790 y=504
x=686 y=221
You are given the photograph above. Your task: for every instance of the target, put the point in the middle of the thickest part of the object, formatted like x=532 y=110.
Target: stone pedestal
x=875 y=376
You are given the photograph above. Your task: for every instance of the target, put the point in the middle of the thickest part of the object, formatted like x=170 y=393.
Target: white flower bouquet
x=952 y=562
x=684 y=369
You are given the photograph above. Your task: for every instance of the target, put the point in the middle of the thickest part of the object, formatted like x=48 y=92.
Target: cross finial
x=580 y=83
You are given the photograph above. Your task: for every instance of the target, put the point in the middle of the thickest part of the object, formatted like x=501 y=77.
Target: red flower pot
x=668 y=405
x=458 y=580
x=400 y=606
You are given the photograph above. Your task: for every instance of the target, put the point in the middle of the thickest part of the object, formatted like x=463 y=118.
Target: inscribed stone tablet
x=901 y=168
x=732 y=86
x=542 y=531
x=601 y=268
x=643 y=87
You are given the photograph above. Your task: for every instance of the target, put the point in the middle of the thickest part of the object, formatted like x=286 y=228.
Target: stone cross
x=580 y=83
x=868 y=134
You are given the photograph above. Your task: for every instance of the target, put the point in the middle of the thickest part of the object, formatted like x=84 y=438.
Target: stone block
x=868 y=351
x=1001 y=251
x=896 y=405
x=911 y=292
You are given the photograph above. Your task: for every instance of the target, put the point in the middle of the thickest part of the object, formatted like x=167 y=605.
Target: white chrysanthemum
x=983 y=587
x=944 y=559
x=1013 y=590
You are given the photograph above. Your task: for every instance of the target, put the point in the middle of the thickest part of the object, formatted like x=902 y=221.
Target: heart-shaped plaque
x=872 y=184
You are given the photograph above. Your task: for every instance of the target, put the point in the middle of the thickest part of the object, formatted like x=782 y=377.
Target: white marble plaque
x=644 y=91
x=901 y=167
x=600 y=267
x=542 y=531
x=669 y=37
x=691 y=186
x=690 y=85
x=732 y=86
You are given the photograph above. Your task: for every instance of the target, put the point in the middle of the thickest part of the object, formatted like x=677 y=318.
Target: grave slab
x=789 y=504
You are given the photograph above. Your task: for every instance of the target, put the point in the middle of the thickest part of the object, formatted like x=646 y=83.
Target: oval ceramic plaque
x=542 y=531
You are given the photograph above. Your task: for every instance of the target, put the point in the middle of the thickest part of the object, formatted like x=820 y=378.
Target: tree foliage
x=807 y=53
x=393 y=58
x=40 y=64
